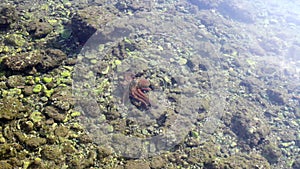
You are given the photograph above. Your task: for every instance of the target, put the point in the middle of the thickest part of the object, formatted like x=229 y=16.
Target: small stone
x=37 y=161
x=117 y=62
x=28 y=90
x=194 y=134
x=182 y=61
x=106 y=70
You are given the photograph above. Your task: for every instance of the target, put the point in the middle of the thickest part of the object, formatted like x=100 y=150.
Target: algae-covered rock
x=251 y=129
x=62 y=99
x=52 y=58
x=296 y=163
x=272 y=153
x=7 y=150
x=158 y=162
x=85 y=24
x=36 y=116
x=39 y=29
x=61 y=131
x=35 y=142
x=275 y=97
x=8 y=15
x=5 y=165
x=239 y=11
x=11 y=108
x=15 y=40
x=206 y=153
x=137 y=164
x=40 y=59
x=206 y=4
x=15 y=81
x=240 y=160
x=23 y=61
x=52 y=153
x=54 y=113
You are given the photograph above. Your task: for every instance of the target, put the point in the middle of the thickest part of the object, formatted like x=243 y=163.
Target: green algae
x=37 y=88
x=75 y=114
x=36 y=116
x=15 y=40
x=47 y=79
x=65 y=74
x=48 y=92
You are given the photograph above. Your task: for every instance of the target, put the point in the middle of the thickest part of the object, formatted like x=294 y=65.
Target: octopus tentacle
x=137 y=89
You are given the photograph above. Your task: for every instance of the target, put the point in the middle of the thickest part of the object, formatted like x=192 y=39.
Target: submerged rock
x=239 y=11
x=275 y=97
x=52 y=58
x=272 y=153
x=40 y=59
x=248 y=128
x=11 y=108
x=85 y=24
x=8 y=15
x=23 y=61
x=39 y=29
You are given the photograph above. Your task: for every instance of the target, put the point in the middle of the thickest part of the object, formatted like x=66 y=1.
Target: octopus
x=137 y=93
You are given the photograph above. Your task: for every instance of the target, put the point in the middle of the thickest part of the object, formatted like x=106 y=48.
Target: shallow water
x=224 y=81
